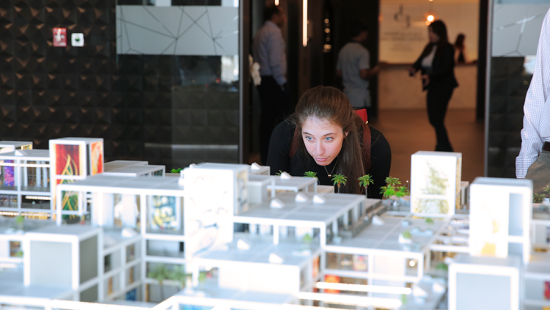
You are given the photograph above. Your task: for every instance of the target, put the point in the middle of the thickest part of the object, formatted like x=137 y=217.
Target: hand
x=426 y=79
x=375 y=70
x=411 y=70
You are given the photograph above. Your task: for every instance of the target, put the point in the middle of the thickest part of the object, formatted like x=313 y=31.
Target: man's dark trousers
x=276 y=106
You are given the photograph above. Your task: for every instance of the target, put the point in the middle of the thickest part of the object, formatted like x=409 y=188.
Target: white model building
x=228 y=236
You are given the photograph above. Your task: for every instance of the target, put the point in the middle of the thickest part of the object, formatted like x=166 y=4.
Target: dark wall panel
x=49 y=92
x=509 y=85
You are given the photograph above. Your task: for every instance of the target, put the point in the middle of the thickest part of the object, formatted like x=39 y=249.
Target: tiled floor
x=409 y=131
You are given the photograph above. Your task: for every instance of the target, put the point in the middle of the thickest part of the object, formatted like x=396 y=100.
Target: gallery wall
x=403 y=30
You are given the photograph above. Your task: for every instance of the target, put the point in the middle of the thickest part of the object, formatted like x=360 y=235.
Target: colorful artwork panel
x=489 y=222
x=435 y=183
x=8 y=171
x=316 y=267
x=96 y=157
x=163 y=213
x=68 y=160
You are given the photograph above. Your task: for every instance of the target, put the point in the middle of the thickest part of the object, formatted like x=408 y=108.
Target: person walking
x=354 y=67
x=268 y=49
x=461 y=56
x=437 y=66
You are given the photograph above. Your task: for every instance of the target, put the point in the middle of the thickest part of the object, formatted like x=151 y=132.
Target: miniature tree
x=339 y=179
x=365 y=181
x=310 y=174
x=19 y=220
x=429 y=220
x=279 y=173
x=176 y=170
x=387 y=191
x=160 y=273
x=393 y=182
x=406 y=234
x=179 y=276
x=307 y=239
x=391 y=188
x=537 y=198
x=442 y=267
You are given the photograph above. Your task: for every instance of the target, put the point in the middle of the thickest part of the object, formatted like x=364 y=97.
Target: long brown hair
x=439 y=28
x=325 y=102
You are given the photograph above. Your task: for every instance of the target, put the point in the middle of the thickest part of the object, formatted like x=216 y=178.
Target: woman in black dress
x=326 y=136
x=460 y=49
x=437 y=66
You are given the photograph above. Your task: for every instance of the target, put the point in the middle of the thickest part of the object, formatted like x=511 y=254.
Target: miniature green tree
x=339 y=179
x=429 y=220
x=365 y=181
x=179 y=276
x=406 y=234
x=387 y=191
x=279 y=173
x=160 y=273
x=442 y=266
x=19 y=220
x=176 y=170
x=310 y=174
x=391 y=188
x=202 y=275
x=537 y=198
x=403 y=299
x=393 y=182
x=307 y=239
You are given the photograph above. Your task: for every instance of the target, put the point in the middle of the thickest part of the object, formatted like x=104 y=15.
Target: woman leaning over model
x=326 y=136
x=437 y=66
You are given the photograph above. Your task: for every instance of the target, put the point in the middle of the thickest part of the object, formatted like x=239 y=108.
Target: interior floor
x=409 y=131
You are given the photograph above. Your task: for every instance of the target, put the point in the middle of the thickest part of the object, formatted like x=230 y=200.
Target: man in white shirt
x=268 y=50
x=354 y=67
x=533 y=161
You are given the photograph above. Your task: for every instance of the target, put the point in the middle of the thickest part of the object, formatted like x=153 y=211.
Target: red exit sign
x=60 y=37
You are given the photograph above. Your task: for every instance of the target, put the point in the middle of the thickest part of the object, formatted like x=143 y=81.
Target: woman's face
x=434 y=38
x=323 y=140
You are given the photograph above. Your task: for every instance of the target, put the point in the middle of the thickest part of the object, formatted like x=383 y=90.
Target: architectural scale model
x=78 y=233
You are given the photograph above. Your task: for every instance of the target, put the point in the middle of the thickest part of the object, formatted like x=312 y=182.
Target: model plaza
x=78 y=233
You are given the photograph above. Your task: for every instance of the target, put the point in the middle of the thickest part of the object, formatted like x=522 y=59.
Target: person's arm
x=417 y=64
x=447 y=63
x=277 y=57
x=536 y=126
x=369 y=73
x=278 y=158
x=380 y=153
x=365 y=71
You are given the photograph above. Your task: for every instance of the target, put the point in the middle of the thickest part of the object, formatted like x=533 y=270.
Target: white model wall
x=51 y=263
x=271 y=278
x=481 y=292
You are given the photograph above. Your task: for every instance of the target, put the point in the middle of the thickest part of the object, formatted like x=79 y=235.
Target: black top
x=442 y=73
x=278 y=158
x=461 y=59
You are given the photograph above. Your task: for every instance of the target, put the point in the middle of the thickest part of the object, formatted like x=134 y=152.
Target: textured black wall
x=139 y=104
x=509 y=85
x=49 y=92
